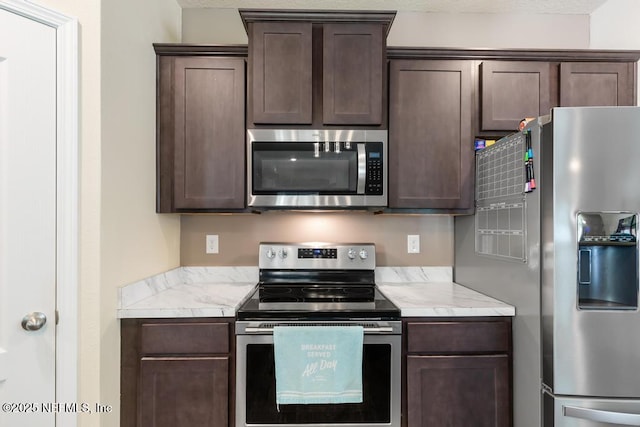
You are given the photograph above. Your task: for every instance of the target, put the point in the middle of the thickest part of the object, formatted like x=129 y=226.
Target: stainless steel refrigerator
x=565 y=254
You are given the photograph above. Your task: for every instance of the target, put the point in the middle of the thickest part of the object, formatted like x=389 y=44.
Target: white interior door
x=27 y=220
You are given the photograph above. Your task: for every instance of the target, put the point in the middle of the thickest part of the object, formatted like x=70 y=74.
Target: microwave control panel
x=375 y=178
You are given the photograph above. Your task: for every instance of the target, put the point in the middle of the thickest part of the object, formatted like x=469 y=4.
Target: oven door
x=297 y=169
x=256 y=390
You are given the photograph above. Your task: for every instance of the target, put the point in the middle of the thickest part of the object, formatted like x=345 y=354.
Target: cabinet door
x=430 y=140
x=353 y=63
x=458 y=391
x=585 y=84
x=281 y=55
x=184 y=392
x=209 y=133
x=512 y=91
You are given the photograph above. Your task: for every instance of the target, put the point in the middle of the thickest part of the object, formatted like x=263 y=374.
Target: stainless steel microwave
x=335 y=168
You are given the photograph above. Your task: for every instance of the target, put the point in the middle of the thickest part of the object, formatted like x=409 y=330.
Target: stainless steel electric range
x=317 y=284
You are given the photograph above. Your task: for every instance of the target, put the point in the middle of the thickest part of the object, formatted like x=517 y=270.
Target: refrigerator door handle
x=621 y=418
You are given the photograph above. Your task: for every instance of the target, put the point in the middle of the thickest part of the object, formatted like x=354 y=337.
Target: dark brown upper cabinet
x=515 y=84
x=200 y=131
x=430 y=134
x=586 y=84
x=513 y=90
x=317 y=68
x=281 y=72
x=353 y=64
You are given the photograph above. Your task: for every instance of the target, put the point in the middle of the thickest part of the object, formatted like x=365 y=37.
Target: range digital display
x=326 y=253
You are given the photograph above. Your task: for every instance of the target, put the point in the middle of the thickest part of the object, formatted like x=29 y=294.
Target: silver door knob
x=33 y=321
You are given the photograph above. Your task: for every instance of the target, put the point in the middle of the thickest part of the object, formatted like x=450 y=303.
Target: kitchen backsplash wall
x=239 y=235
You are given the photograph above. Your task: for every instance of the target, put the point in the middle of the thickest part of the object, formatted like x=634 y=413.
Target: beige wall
x=472 y=30
x=121 y=238
x=220 y=26
x=478 y=30
x=614 y=25
x=135 y=241
x=239 y=235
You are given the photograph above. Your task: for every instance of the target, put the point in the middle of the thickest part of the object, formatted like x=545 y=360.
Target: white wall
x=614 y=25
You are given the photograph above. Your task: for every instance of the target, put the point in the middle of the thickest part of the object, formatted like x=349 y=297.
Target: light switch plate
x=413 y=243
x=212 y=244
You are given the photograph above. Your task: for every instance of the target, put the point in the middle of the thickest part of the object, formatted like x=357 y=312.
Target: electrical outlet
x=413 y=244
x=212 y=244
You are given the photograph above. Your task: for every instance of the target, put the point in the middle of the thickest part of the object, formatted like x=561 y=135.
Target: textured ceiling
x=443 y=6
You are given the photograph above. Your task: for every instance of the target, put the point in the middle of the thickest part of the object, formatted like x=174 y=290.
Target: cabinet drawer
x=458 y=337
x=184 y=338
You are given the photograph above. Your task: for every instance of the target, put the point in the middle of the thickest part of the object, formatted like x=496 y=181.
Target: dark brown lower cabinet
x=458 y=391
x=184 y=392
x=177 y=373
x=458 y=373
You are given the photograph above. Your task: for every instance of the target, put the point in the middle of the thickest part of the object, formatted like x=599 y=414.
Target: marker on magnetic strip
x=529 y=153
x=527 y=186
x=532 y=179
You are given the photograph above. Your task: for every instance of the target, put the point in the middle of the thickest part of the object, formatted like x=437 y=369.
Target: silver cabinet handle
x=33 y=321
x=621 y=418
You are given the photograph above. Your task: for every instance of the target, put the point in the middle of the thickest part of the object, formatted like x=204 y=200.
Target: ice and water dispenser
x=607 y=261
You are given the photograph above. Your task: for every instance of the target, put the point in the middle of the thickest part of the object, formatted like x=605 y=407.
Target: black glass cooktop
x=317 y=301
x=283 y=293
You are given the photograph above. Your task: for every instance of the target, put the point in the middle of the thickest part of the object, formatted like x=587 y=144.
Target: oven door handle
x=378 y=330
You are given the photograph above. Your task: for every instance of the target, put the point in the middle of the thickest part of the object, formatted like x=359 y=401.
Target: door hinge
x=57 y=317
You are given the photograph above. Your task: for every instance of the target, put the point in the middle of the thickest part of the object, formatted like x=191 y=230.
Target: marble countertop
x=218 y=291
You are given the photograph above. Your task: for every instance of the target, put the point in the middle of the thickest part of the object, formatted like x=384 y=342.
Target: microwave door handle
x=362 y=168
x=598 y=415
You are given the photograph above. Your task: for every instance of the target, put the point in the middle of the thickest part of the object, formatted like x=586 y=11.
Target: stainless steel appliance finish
x=382 y=343
x=317 y=284
x=590 y=412
x=343 y=256
x=330 y=168
x=581 y=275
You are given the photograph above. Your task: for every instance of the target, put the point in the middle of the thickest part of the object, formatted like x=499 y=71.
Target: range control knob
x=363 y=254
x=351 y=253
x=282 y=253
x=271 y=254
